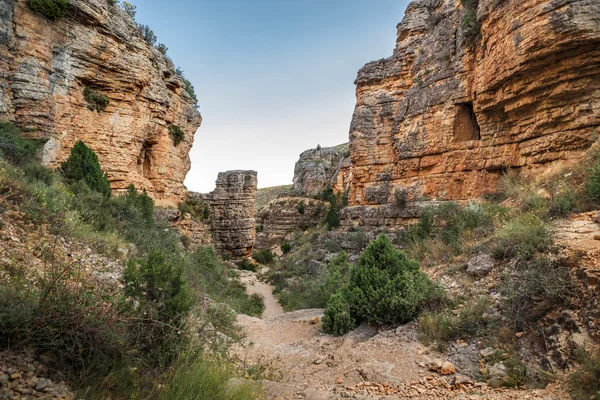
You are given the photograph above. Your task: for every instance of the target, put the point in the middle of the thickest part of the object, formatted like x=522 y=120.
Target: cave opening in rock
x=145 y=159
x=465 y=123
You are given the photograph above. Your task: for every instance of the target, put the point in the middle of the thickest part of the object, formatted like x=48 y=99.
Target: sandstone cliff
x=45 y=68
x=448 y=113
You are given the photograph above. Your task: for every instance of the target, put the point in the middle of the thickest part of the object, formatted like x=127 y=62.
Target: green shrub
x=223 y=318
x=207 y=273
x=297 y=287
x=66 y=317
x=385 y=287
x=436 y=327
x=592 y=183
x=337 y=319
x=442 y=327
x=147 y=34
x=539 y=278
x=286 y=247
x=196 y=378
x=14 y=147
x=563 y=203
x=51 y=9
x=521 y=237
x=189 y=88
x=585 y=382
x=96 y=100
x=470 y=25
x=129 y=216
x=247 y=265
x=83 y=165
x=177 y=134
x=156 y=293
x=137 y=207
x=37 y=172
x=198 y=209
x=162 y=48
x=300 y=207
x=423 y=229
x=336 y=203
x=129 y=9
x=264 y=256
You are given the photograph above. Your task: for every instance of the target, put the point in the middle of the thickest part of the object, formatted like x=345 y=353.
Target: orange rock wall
x=45 y=66
x=443 y=119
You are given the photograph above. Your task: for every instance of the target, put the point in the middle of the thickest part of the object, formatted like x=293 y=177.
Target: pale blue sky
x=273 y=77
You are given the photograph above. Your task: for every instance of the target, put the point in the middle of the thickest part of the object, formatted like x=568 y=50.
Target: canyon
x=474 y=89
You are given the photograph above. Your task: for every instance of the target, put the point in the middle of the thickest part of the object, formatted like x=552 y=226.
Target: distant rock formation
x=322 y=168
x=231 y=213
x=453 y=108
x=46 y=67
x=286 y=215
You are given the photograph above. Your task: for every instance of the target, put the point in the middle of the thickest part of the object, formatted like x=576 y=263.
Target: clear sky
x=273 y=77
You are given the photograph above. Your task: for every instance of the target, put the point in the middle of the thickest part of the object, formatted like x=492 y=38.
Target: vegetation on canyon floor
x=384 y=287
x=514 y=228
x=142 y=333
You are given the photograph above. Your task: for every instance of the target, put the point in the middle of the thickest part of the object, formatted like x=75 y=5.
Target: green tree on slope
x=83 y=165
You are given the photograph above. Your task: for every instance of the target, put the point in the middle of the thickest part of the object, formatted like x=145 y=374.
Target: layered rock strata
x=45 y=68
x=231 y=206
x=286 y=215
x=322 y=168
x=447 y=115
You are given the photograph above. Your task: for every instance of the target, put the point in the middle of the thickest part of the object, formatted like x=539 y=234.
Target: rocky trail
x=300 y=362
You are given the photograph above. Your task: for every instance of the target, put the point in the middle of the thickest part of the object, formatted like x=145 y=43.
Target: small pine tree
x=83 y=165
x=129 y=9
x=139 y=203
x=155 y=288
x=384 y=288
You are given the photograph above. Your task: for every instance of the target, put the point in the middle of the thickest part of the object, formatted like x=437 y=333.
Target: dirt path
x=300 y=362
x=253 y=285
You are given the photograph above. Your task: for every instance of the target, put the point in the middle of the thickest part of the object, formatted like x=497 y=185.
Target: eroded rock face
x=443 y=119
x=322 y=168
x=286 y=215
x=45 y=67
x=231 y=207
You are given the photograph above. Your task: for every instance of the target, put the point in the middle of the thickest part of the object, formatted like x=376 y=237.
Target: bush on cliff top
x=51 y=9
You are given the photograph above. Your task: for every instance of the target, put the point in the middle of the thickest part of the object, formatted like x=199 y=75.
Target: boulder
x=480 y=265
x=447 y=368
